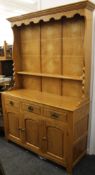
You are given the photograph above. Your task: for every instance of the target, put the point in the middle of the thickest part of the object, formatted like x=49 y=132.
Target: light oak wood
x=31 y=130
x=13 y=126
x=51 y=129
x=44 y=118
x=48 y=110
x=66 y=102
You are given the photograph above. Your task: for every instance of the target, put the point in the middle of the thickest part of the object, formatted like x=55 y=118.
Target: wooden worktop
x=63 y=102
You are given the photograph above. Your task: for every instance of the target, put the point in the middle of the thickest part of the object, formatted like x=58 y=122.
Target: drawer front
x=32 y=108
x=12 y=104
x=55 y=114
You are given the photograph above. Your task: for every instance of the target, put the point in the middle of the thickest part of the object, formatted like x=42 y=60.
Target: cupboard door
x=55 y=135
x=13 y=126
x=32 y=131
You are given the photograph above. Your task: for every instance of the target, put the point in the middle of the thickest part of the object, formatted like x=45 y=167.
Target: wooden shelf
x=79 y=78
x=4 y=82
x=3 y=59
x=5 y=52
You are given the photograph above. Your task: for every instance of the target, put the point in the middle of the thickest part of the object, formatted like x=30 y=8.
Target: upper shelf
x=4 y=59
x=79 y=78
x=53 y=13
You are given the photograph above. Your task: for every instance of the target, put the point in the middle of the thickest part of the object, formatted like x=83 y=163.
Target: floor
x=18 y=161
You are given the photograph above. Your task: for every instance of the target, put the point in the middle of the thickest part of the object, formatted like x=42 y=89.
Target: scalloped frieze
x=47 y=18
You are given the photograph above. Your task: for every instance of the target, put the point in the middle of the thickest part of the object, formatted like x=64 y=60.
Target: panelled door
x=32 y=126
x=54 y=139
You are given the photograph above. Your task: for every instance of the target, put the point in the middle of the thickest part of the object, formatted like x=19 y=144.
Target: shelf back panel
x=71 y=88
x=30 y=47
x=33 y=83
x=73 y=46
x=51 y=85
x=51 y=47
x=56 y=48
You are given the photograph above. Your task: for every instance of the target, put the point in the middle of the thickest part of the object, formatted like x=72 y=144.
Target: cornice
x=50 y=13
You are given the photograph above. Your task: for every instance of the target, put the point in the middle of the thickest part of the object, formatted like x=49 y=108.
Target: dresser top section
x=53 y=13
x=62 y=102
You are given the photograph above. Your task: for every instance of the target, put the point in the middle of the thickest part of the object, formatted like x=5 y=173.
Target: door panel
x=13 y=126
x=55 y=138
x=32 y=132
x=32 y=124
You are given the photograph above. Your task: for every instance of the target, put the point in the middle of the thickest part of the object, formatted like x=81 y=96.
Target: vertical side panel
x=16 y=55
x=88 y=50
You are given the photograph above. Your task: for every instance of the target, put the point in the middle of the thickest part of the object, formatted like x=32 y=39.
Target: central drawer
x=31 y=107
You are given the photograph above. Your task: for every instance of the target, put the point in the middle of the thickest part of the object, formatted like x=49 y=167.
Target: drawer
x=55 y=114
x=31 y=107
x=12 y=104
